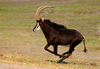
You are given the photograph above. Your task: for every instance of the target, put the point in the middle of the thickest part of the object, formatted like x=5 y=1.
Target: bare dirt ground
x=16 y=66
x=38 y=2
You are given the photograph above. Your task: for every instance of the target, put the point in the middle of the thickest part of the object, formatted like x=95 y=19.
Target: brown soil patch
x=16 y=66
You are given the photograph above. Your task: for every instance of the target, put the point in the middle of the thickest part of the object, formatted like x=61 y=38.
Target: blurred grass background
x=20 y=45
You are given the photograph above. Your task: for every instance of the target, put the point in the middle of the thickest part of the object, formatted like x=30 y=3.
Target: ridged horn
x=39 y=10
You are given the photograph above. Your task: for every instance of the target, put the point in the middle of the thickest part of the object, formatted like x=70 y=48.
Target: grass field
x=20 y=45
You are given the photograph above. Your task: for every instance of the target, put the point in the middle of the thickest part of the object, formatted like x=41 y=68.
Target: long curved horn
x=38 y=13
x=39 y=10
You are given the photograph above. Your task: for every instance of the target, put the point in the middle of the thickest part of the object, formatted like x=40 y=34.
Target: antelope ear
x=42 y=19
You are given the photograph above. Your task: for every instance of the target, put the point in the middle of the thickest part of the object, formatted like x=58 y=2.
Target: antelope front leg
x=53 y=52
x=46 y=48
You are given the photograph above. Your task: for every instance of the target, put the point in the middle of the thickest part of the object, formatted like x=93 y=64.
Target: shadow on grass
x=78 y=63
x=56 y=62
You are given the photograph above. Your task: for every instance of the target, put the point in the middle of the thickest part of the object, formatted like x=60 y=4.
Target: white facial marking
x=38 y=28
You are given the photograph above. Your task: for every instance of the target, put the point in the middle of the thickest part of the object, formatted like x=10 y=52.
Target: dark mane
x=55 y=26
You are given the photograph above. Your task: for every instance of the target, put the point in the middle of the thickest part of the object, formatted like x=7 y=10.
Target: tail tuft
x=85 y=50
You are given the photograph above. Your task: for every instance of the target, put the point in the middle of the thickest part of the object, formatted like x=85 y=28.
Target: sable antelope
x=57 y=34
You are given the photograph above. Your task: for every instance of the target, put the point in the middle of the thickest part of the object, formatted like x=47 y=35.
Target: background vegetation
x=20 y=45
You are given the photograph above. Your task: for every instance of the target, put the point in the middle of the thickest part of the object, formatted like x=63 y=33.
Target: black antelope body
x=56 y=34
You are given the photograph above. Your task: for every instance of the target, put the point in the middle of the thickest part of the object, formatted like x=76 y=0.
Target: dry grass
x=19 y=45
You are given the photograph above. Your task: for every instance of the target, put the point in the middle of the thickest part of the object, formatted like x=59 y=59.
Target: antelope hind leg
x=64 y=58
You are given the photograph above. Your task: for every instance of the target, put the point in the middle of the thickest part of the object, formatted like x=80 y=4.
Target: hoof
x=60 y=61
x=62 y=56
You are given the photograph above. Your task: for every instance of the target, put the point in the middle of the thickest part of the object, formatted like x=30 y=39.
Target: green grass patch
x=20 y=45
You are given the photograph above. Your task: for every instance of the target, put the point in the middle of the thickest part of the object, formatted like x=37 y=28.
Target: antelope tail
x=84 y=45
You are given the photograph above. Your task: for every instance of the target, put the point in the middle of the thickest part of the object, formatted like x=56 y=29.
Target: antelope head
x=38 y=19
